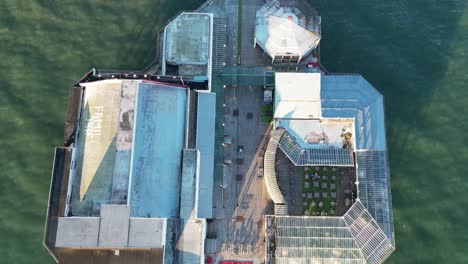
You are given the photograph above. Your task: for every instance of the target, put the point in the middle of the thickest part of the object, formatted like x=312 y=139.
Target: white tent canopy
x=285 y=31
x=287 y=37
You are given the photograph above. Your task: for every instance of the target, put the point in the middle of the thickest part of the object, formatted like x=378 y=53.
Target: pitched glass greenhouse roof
x=353 y=238
x=365 y=233
x=300 y=156
x=351 y=96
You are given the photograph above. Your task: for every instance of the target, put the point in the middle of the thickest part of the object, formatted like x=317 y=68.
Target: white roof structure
x=284 y=30
x=309 y=138
x=288 y=37
x=297 y=95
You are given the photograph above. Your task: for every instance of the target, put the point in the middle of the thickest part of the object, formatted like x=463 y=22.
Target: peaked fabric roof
x=285 y=36
x=284 y=30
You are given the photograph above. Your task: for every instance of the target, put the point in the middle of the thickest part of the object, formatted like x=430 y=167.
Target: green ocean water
x=415 y=52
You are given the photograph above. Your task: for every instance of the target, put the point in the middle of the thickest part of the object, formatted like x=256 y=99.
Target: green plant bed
x=266 y=113
x=313 y=203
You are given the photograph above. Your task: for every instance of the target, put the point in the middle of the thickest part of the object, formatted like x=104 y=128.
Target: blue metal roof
x=206 y=114
x=157 y=150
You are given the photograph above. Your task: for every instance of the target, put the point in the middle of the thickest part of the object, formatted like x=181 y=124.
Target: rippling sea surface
x=415 y=52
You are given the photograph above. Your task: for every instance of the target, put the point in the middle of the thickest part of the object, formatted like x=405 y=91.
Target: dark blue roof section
x=353 y=96
x=206 y=114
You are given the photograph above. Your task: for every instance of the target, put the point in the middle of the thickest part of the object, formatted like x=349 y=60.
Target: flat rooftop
x=319 y=133
x=114 y=228
x=187 y=39
x=95 y=149
x=297 y=95
x=129 y=143
x=157 y=150
x=127 y=183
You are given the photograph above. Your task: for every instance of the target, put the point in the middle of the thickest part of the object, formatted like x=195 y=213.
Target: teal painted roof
x=206 y=114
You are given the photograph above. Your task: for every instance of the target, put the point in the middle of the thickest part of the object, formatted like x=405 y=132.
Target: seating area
x=319 y=190
x=326 y=191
